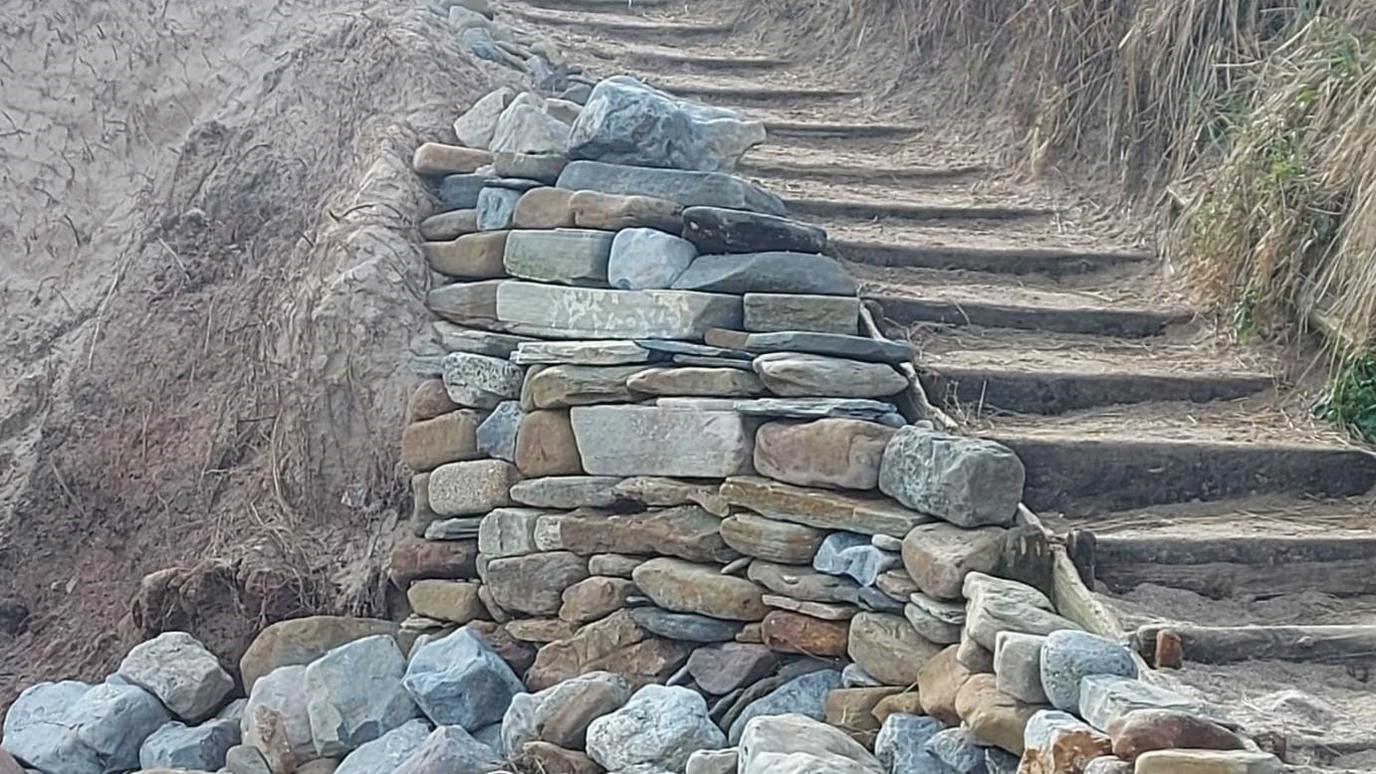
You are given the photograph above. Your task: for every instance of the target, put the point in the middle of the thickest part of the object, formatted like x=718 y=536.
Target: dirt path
x=1046 y=322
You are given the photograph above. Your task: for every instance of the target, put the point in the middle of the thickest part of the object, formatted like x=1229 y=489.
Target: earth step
x=867 y=209
x=839 y=130
x=1091 y=463
x=1237 y=644
x=1056 y=381
x=1220 y=566
x=840 y=171
x=667 y=56
x=609 y=22
x=602 y=5
x=1048 y=261
x=753 y=93
x=1006 y=306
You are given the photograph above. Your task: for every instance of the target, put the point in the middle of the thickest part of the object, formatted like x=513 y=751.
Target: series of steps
x=1080 y=356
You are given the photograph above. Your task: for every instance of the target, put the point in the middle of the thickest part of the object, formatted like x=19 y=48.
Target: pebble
x=1207 y=762
x=956 y=748
x=1069 y=656
x=447 y=226
x=276 y=722
x=458 y=339
x=970 y=482
x=686 y=587
x=643 y=258
x=794 y=744
x=452 y=437
x=826 y=611
x=545 y=445
x=937 y=621
x=543 y=167
x=1057 y=741
x=460 y=192
x=466 y=303
x=534 y=584
x=683 y=531
x=707 y=382
x=713 y=762
x=852 y=709
x=939 y=682
x=459 y=680
x=595 y=597
x=583 y=353
x=820 y=509
x=446 y=600
x=181 y=672
x=615 y=644
x=1105 y=698
x=526 y=128
x=462 y=528
x=767 y=272
x=299 y=641
x=433 y=158
x=615 y=565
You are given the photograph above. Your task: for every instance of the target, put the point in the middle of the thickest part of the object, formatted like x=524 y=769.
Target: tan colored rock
x=611 y=212
x=614 y=565
x=547 y=758
x=414 y=559
x=832 y=453
x=496 y=611
x=1059 y=743
x=471 y=256
x=888 y=648
x=1142 y=731
x=939 y=682
x=821 y=508
x=445 y=600
x=686 y=532
x=615 y=644
x=685 y=587
x=662 y=492
x=904 y=703
x=544 y=208
x=578 y=385
x=428 y=401
x=1207 y=762
x=451 y=437
x=771 y=539
x=994 y=717
x=938 y=556
x=433 y=158
x=448 y=226
x=318 y=766
x=518 y=654
x=788 y=632
x=594 y=598
x=852 y=709
x=422 y=515
x=827 y=611
x=540 y=630
x=693 y=381
x=471 y=488
x=534 y=584
x=300 y=641
x=751 y=634
x=545 y=445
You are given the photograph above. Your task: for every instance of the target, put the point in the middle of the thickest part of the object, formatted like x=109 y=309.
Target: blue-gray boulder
x=1067 y=657
x=805 y=695
x=459 y=681
x=196 y=748
x=354 y=694
x=386 y=753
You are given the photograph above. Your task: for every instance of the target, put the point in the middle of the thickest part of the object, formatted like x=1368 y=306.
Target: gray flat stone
x=815 y=408
x=479 y=381
x=508 y=532
x=833 y=344
x=460 y=528
x=793 y=374
x=495 y=207
x=684 y=627
x=646 y=259
x=774 y=312
x=580 y=353
x=461 y=192
x=466 y=303
x=970 y=482
x=666 y=347
x=455 y=338
x=567 y=492
x=659 y=441
x=497 y=434
x=771 y=272
x=566 y=256
x=713 y=189
x=520 y=184
x=594 y=313
x=720 y=230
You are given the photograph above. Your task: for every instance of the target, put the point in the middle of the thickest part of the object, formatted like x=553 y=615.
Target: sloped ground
x=209 y=272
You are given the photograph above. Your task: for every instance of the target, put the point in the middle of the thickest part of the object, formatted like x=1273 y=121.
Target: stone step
x=872 y=208
x=604 y=6
x=1001 y=259
x=962 y=303
x=836 y=130
x=1055 y=381
x=750 y=94
x=657 y=56
x=1107 y=460
x=597 y=22
x=855 y=172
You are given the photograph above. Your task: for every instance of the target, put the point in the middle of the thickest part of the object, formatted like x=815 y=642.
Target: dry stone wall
x=667 y=517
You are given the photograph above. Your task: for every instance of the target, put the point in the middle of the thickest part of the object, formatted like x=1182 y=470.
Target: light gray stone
x=354 y=694
x=516 y=184
x=567 y=256
x=276 y=722
x=563 y=312
x=712 y=762
x=646 y=259
x=627 y=122
x=591 y=353
x=1017 y=666
x=970 y=482
x=801 y=375
x=956 y=748
x=688 y=188
x=659 y=441
x=796 y=744
x=990 y=614
x=768 y=272
x=544 y=167
x=475 y=127
x=99 y=731
x=450 y=750
x=561 y=713
x=705 y=382
x=853 y=555
x=466 y=303
x=242 y=759
x=36 y=732
x=1070 y=656
x=660 y=726
x=508 y=532
x=1105 y=698
x=831 y=344
x=567 y=492
x=479 y=381
x=804 y=695
x=815 y=408
x=470 y=488
x=455 y=338
x=184 y=675
x=935 y=619
x=497 y=434
x=384 y=754
x=771 y=312
x=901 y=745
x=495 y=207
x=525 y=127
x=458 y=528
x=199 y=748
x=459 y=680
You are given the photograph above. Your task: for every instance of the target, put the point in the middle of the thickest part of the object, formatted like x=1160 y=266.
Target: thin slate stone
x=687 y=188
x=685 y=627
x=815 y=408
x=769 y=272
x=833 y=344
x=719 y=230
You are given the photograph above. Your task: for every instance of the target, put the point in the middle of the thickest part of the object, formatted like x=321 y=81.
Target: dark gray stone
x=956 y=748
x=667 y=347
x=627 y=122
x=1067 y=657
x=805 y=695
x=815 y=408
x=970 y=482
x=459 y=680
x=768 y=272
x=684 y=627
x=497 y=433
x=998 y=761
x=853 y=555
x=902 y=745
x=461 y=192
x=199 y=748
x=714 y=189
x=721 y=230
x=521 y=184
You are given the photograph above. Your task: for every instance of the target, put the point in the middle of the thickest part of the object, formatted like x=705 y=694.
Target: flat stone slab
x=685 y=627
x=818 y=408
x=776 y=312
x=456 y=338
x=600 y=353
x=713 y=189
x=671 y=348
x=660 y=441
x=565 y=256
x=466 y=303
x=819 y=508
x=596 y=313
x=804 y=375
x=833 y=344
x=544 y=167
x=460 y=192
x=720 y=230
x=567 y=492
x=771 y=272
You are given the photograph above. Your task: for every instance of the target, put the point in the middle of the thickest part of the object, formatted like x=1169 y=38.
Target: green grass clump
x=1350 y=398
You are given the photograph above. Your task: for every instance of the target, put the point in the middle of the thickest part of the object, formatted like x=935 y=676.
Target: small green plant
x=1244 y=317
x=1350 y=398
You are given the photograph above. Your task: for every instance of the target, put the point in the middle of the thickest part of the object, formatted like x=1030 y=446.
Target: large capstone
x=561 y=312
